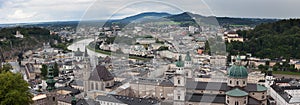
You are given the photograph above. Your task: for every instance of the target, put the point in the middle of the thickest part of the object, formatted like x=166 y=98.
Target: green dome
x=236 y=93
x=237 y=71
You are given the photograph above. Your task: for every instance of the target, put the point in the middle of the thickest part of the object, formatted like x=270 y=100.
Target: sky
x=24 y=11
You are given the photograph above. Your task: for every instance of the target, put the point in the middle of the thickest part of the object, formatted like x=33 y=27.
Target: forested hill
x=271 y=40
x=12 y=46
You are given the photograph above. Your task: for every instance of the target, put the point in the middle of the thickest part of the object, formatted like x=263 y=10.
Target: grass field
x=286 y=73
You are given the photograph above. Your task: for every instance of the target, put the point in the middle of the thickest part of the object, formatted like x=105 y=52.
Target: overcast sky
x=22 y=11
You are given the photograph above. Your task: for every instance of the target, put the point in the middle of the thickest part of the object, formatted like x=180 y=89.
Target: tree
x=207 y=48
x=5 y=68
x=44 y=70
x=14 y=90
x=55 y=70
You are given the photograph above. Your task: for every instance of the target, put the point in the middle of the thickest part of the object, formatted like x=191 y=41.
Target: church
x=236 y=91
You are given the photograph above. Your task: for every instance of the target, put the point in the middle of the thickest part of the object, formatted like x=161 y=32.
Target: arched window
x=237 y=82
x=92 y=86
x=236 y=103
x=97 y=86
x=244 y=82
x=178 y=81
x=230 y=82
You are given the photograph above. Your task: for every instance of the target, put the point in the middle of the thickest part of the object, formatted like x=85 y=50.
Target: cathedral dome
x=237 y=71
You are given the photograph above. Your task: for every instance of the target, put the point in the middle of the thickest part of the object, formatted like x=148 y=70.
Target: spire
x=238 y=60
x=50 y=81
x=85 y=53
x=73 y=102
x=188 y=57
x=180 y=63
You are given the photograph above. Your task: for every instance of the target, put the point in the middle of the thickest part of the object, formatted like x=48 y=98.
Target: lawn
x=286 y=72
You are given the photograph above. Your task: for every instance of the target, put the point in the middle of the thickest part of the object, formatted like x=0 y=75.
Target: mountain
x=185 y=19
x=189 y=17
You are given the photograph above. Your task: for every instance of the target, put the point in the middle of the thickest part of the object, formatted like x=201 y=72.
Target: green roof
x=236 y=93
x=180 y=63
x=188 y=57
x=237 y=71
x=261 y=88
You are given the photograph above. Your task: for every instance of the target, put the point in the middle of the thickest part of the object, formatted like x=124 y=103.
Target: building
x=285 y=91
x=98 y=81
x=125 y=100
x=19 y=35
x=232 y=36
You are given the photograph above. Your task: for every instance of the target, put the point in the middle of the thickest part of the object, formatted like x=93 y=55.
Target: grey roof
x=209 y=98
x=73 y=90
x=78 y=53
x=219 y=86
x=207 y=86
x=156 y=81
x=252 y=101
x=288 y=98
x=101 y=74
x=127 y=100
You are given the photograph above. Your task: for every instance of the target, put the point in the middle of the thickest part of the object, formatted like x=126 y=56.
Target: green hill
x=12 y=46
x=270 y=40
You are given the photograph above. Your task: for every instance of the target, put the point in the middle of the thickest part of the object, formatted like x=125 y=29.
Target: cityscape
x=148 y=53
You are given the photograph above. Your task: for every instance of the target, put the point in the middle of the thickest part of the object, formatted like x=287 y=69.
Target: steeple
x=85 y=53
x=188 y=57
x=73 y=102
x=238 y=60
x=50 y=81
x=180 y=63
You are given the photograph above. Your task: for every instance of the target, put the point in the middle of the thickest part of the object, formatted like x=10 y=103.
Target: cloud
x=20 y=14
x=15 y=11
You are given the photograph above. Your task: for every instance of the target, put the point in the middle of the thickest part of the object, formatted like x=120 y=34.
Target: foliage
x=55 y=70
x=5 y=68
x=44 y=71
x=270 y=40
x=13 y=89
x=33 y=38
x=207 y=48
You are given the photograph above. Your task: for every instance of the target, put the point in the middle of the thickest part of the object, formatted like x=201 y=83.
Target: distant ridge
x=182 y=17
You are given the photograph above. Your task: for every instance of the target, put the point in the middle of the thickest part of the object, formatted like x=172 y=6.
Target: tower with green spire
x=180 y=63
x=188 y=60
x=50 y=79
x=73 y=102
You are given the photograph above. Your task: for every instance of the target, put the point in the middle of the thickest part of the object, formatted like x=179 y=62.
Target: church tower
x=188 y=65
x=179 y=83
x=237 y=74
x=50 y=81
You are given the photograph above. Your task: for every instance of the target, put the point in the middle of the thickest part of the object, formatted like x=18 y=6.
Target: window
x=178 y=81
x=236 y=103
x=253 y=93
x=245 y=102
x=244 y=82
x=92 y=86
x=178 y=97
x=97 y=86
x=230 y=82
x=263 y=97
x=237 y=82
x=227 y=101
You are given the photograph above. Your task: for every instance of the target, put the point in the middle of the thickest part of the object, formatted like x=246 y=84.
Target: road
x=81 y=45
